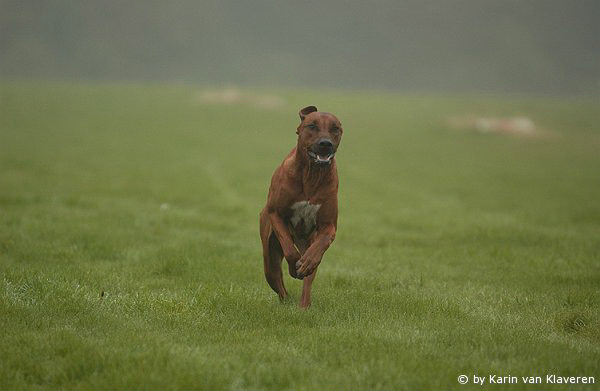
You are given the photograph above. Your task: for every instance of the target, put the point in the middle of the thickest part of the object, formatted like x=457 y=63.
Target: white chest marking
x=306 y=212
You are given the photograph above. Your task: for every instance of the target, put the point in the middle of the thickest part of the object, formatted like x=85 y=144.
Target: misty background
x=540 y=47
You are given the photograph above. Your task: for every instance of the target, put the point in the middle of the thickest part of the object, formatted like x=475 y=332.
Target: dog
x=299 y=220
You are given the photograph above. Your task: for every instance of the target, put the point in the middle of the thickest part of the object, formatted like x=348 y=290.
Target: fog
x=499 y=46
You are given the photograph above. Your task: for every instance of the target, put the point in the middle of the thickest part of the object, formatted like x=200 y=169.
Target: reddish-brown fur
x=301 y=178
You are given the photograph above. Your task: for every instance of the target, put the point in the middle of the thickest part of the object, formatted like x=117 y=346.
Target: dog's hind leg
x=307 y=281
x=272 y=257
x=306 y=287
x=273 y=272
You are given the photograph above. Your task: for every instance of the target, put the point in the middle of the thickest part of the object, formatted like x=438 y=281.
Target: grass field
x=130 y=255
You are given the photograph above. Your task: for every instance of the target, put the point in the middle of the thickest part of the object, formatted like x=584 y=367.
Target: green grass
x=457 y=252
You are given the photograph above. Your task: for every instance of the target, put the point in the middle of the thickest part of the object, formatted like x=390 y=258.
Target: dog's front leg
x=313 y=255
x=290 y=252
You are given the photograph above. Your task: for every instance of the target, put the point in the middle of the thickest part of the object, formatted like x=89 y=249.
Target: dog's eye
x=311 y=126
x=335 y=129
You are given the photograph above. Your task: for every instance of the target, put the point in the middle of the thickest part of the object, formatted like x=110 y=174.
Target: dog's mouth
x=322 y=159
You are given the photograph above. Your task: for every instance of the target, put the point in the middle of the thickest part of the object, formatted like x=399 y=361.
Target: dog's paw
x=304 y=268
x=293 y=271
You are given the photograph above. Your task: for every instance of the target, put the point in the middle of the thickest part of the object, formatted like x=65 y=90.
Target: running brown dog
x=299 y=220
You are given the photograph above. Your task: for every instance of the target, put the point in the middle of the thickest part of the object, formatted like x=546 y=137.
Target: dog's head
x=319 y=136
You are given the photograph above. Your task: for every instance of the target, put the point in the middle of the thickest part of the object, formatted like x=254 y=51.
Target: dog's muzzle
x=323 y=159
x=322 y=152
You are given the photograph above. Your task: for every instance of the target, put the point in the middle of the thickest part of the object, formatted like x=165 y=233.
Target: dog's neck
x=313 y=176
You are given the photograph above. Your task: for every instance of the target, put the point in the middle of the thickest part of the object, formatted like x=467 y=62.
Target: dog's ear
x=306 y=111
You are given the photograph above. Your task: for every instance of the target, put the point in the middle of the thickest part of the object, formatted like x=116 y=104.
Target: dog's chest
x=304 y=216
